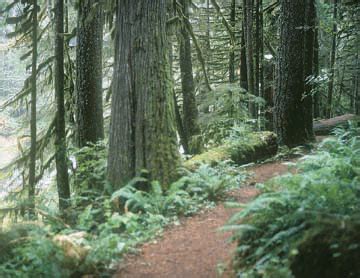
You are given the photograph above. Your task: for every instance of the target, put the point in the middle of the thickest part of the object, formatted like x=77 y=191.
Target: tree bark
x=316 y=73
x=269 y=92
x=325 y=127
x=248 y=8
x=89 y=108
x=33 y=122
x=332 y=62
x=142 y=129
x=309 y=73
x=354 y=103
x=62 y=177
x=232 y=44
x=290 y=121
x=190 y=112
x=243 y=66
x=257 y=49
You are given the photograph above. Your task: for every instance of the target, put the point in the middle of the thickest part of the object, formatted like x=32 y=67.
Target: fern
x=295 y=209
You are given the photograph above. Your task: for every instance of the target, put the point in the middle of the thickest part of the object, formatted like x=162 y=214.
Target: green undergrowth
x=102 y=226
x=305 y=224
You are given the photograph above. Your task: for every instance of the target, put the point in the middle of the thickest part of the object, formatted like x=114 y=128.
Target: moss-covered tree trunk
x=232 y=51
x=89 y=109
x=248 y=7
x=332 y=62
x=62 y=177
x=290 y=118
x=142 y=129
x=243 y=66
x=33 y=123
x=190 y=112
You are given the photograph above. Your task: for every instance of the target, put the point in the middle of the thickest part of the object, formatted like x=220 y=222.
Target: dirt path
x=196 y=247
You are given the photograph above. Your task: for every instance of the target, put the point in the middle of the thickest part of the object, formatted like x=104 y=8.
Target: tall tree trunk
x=142 y=129
x=309 y=48
x=243 y=66
x=232 y=50
x=332 y=62
x=257 y=48
x=316 y=74
x=66 y=22
x=261 y=48
x=356 y=99
x=290 y=121
x=89 y=109
x=190 y=112
x=248 y=7
x=32 y=164
x=208 y=25
x=269 y=93
x=62 y=177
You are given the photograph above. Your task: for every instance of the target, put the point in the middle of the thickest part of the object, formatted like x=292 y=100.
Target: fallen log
x=258 y=146
x=325 y=127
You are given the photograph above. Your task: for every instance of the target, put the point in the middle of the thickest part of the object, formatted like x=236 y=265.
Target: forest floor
x=196 y=248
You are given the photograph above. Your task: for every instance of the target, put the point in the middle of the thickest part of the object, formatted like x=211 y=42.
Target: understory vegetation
x=305 y=224
x=100 y=226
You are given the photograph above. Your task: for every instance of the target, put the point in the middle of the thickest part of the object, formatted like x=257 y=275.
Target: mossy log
x=325 y=127
x=257 y=146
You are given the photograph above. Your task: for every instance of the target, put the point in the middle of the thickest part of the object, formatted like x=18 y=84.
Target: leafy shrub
x=90 y=169
x=298 y=215
x=27 y=248
x=226 y=107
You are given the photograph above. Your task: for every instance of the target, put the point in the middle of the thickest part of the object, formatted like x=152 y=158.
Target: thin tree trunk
x=66 y=26
x=89 y=108
x=180 y=126
x=232 y=50
x=208 y=25
x=356 y=99
x=332 y=62
x=33 y=122
x=62 y=177
x=257 y=49
x=310 y=23
x=342 y=86
x=269 y=96
x=190 y=112
x=316 y=74
x=261 y=48
x=243 y=66
x=248 y=6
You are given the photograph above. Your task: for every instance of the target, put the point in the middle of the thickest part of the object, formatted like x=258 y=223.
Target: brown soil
x=196 y=248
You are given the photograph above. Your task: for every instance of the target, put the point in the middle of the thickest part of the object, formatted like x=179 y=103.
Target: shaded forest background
x=110 y=107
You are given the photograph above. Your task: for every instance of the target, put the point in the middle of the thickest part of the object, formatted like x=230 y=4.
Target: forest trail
x=196 y=248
